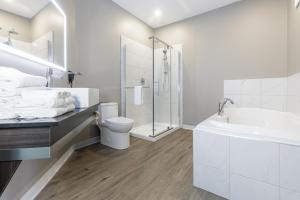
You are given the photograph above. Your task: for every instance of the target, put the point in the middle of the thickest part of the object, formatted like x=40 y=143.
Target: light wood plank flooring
x=146 y=171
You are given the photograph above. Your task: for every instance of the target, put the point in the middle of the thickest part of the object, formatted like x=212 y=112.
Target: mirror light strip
x=65 y=31
x=36 y=59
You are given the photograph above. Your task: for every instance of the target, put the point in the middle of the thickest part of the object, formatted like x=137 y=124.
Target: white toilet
x=114 y=129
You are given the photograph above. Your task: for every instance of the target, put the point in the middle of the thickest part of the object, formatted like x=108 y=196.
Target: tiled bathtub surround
x=268 y=93
x=244 y=169
x=282 y=94
x=293 y=94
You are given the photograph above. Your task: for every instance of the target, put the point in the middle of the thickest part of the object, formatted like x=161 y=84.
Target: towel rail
x=131 y=87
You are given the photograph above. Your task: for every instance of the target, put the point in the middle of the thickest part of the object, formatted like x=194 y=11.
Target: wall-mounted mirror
x=35 y=30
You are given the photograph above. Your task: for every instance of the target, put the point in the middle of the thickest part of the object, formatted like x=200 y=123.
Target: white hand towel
x=33 y=113
x=37 y=95
x=7 y=114
x=12 y=78
x=46 y=103
x=138 y=95
x=10 y=92
x=9 y=102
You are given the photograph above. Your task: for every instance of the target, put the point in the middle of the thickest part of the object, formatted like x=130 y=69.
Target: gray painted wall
x=244 y=40
x=69 y=7
x=99 y=26
x=49 y=19
x=293 y=38
x=21 y=25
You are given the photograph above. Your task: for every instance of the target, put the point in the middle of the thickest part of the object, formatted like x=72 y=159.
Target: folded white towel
x=46 y=103
x=40 y=95
x=12 y=78
x=10 y=92
x=32 y=113
x=7 y=114
x=9 y=102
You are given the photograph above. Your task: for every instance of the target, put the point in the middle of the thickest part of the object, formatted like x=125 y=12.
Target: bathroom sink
x=84 y=97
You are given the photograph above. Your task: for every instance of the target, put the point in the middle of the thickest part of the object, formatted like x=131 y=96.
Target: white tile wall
x=255 y=159
x=258 y=93
x=233 y=87
x=242 y=188
x=289 y=195
x=251 y=87
x=293 y=83
x=274 y=86
x=282 y=94
x=213 y=180
x=274 y=102
x=218 y=156
x=211 y=165
x=138 y=65
x=293 y=104
x=290 y=167
x=242 y=169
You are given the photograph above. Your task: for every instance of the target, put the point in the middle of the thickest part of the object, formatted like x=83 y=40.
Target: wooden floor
x=146 y=171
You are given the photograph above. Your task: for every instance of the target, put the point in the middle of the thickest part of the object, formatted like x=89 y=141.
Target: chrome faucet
x=222 y=104
x=49 y=78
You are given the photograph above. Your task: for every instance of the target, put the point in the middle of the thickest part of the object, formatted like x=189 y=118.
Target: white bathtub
x=249 y=154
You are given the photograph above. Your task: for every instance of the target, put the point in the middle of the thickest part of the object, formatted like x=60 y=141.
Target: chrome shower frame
x=169 y=47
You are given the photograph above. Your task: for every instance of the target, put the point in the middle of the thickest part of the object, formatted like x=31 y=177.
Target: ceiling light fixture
x=157 y=13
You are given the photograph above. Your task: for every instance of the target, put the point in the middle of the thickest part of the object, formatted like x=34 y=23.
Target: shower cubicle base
x=145 y=132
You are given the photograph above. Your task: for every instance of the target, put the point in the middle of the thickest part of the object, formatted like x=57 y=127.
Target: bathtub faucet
x=222 y=104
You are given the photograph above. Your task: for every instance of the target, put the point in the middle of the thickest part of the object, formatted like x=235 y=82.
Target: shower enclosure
x=151 y=87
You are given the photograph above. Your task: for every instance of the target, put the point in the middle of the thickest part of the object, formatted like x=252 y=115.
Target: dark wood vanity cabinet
x=33 y=139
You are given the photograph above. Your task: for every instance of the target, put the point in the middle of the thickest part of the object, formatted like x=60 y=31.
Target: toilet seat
x=119 y=120
x=118 y=124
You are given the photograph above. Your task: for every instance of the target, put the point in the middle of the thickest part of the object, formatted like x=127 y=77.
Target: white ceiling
x=171 y=10
x=24 y=8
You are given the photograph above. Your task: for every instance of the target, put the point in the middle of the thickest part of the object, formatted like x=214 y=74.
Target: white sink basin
x=84 y=97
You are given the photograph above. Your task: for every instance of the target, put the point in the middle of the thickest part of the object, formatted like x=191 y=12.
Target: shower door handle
x=157 y=87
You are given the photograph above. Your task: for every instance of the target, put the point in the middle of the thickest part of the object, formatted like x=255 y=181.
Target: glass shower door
x=175 y=88
x=162 y=70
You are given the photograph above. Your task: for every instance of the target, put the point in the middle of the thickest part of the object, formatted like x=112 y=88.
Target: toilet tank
x=108 y=110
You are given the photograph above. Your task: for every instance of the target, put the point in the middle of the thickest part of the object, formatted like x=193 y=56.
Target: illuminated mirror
x=35 y=30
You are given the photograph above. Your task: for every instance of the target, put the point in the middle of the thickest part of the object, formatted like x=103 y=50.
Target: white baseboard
x=33 y=192
x=188 y=127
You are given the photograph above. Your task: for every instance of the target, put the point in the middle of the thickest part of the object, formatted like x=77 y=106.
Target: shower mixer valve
x=143 y=81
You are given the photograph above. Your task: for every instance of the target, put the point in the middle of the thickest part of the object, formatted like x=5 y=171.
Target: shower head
x=165 y=51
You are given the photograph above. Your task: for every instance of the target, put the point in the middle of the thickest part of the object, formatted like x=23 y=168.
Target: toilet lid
x=120 y=120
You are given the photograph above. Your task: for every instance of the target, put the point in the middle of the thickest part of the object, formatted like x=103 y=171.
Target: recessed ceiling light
x=157 y=12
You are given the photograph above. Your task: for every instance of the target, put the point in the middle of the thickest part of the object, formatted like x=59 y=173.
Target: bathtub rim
x=248 y=132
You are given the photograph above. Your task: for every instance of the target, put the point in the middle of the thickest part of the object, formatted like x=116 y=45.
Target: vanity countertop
x=47 y=122
x=33 y=139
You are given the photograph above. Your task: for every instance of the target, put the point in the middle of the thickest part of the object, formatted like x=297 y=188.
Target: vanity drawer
x=24 y=138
